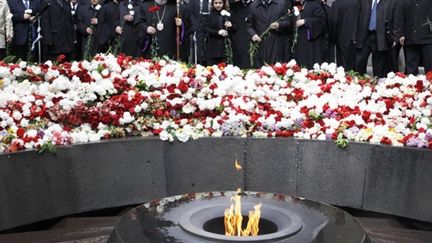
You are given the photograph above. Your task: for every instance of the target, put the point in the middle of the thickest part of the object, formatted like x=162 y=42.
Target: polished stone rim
x=288 y=223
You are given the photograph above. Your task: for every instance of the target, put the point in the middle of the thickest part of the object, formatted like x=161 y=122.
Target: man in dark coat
x=199 y=10
x=375 y=18
x=86 y=22
x=57 y=29
x=130 y=20
x=23 y=24
x=311 y=45
x=108 y=27
x=344 y=17
x=77 y=49
x=265 y=14
x=413 y=29
x=239 y=38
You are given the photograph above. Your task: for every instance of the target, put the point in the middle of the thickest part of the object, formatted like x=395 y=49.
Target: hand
x=94 y=21
x=178 y=21
x=151 y=30
x=256 y=38
x=118 y=30
x=32 y=18
x=223 y=33
x=27 y=16
x=228 y=24
x=300 y=22
x=274 y=26
x=128 y=17
x=9 y=39
x=402 y=40
x=89 y=31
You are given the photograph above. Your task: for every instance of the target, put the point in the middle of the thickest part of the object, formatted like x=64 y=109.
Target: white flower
x=225 y=13
x=98 y=7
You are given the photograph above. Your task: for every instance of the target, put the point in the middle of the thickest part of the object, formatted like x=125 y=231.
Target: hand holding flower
x=274 y=26
x=178 y=21
x=223 y=33
x=151 y=30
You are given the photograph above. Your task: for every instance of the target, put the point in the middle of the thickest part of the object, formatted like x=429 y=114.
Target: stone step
x=86 y=222
x=90 y=235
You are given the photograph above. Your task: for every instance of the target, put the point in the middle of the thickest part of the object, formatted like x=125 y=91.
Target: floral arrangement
x=46 y=105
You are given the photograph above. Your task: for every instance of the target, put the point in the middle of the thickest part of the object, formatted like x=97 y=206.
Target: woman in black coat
x=218 y=27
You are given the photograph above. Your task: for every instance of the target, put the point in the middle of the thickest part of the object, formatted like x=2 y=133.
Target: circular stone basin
x=198 y=217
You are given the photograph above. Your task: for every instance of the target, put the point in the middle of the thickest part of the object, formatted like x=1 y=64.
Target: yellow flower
x=1 y=83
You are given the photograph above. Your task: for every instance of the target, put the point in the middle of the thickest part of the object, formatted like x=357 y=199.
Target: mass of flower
x=46 y=105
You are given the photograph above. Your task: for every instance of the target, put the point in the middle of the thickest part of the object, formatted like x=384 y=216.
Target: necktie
x=373 y=17
x=26 y=3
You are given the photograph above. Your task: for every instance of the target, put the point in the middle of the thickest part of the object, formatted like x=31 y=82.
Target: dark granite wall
x=112 y=173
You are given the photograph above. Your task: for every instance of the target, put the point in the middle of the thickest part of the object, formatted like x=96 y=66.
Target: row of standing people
x=357 y=28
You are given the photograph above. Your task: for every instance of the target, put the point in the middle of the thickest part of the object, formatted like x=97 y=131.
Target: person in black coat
x=159 y=21
x=265 y=14
x=23 y=24
x=311 y=45
x=344 y=17
x=130 y=43
x=77 y=49
x=218 y=29
x=413 y=29
x=58 y=29
x=108 y=26
x=240 y=39
x=87 y=22
x=199 y=11
x=373 y=36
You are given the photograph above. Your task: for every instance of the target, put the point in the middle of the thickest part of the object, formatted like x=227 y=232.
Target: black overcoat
x=108 y=20
x=240 y=38
x=414 y=21
x=259 y=19
x=344 y=16
x=84 y=15
x=57 y=27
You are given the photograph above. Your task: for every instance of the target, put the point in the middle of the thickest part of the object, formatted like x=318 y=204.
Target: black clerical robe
x=130 y=41
x=163 y=20
x=310 y=46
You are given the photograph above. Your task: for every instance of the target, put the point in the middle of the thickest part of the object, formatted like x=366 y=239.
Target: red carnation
x=153 y=9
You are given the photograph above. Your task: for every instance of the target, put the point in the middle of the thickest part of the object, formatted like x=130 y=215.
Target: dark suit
x=376 y=42
x=58 y=29
x=413 y=21
x=22 y=27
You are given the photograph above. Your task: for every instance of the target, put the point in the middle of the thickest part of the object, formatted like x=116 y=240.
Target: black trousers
x=415 y=54
x=20 y=51
x=2 y=53
x=346 y=55
x=394 y=52
x=381 y=60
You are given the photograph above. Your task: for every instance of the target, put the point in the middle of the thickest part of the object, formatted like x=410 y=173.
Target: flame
x=233 y=219
x=237 y=165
